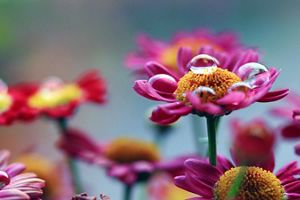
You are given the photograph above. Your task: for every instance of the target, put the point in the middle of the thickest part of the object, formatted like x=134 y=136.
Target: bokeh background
x=67 y=37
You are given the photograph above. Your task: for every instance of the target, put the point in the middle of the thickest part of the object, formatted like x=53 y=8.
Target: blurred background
x=67 y=37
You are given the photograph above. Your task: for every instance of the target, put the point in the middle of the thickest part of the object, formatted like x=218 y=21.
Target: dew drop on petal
x=240 y=87
x=204 y=92
x=163 y=82
x=251 y=69
x=4 y=179
x=203 y=64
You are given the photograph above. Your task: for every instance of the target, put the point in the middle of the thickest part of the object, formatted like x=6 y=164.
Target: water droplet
x=240 y=87
x=254 y=74
x=203 y=64
x=163 y=82
x=204 y=92
x=4 y=179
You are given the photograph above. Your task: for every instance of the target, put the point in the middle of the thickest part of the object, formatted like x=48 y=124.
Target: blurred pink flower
x=210 y=182
x=253 y=144
x=207 y=85
x=166 y=52
x=128 y=160
x=16 y=185
x=290 y=111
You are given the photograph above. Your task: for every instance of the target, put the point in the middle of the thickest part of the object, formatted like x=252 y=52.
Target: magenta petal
x=176 y=108
x=291 y=131
x=201 y=169
x=274 y=96
x=293 y=196
x=153 y=68
x=233 y=98
x=183 y=58
x=223 y=164
x=293 y=186
x=163 y=83
x=13 y=194
x=285 y=171
x=15 y=169
x=209 y=108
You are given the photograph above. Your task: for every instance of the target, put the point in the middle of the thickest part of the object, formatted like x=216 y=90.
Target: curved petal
x=13 y=194
x=183 y=57
x=209 y=108
x=15 y=169
x=153 y=68
x=274 y=96
x=291 y=131
x=233 y=98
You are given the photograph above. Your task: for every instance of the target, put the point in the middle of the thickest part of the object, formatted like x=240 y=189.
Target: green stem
x=63 y=125
x=212 y=141
x=198 y=133
x=127 y=191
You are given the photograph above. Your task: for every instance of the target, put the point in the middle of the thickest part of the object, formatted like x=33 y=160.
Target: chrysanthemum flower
x=166 y=52
x=56 y=176
x=16 y=185
x=128 y=160
x=208 y=85
x=291 y=130
x=253 y=143
x=58 y=99
x=161 y=187
x=214 y=183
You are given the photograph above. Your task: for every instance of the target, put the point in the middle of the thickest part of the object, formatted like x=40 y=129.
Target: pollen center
x=50 y=98
x=216 y=79
x=125 y=150
x=256 y=183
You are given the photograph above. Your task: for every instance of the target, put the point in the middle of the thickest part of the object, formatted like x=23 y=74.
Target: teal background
x=67 y=37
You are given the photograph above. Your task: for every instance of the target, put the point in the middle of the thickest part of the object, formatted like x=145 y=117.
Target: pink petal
x=153 y=68
x=183 y=58
x=15 y=169
x=291 y=131
x=274 y=96
x=13 y=194
x=163 y=83
x=232 y=98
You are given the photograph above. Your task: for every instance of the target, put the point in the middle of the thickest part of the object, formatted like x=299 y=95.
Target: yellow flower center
x=217 y=79
x=50 y=98
x=44 y=169
x=169 y=55
x=124 y=150
x=5 y=101
x=257 y=183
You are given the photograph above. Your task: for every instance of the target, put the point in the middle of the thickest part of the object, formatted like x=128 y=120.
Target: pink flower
x=16 y=185
x=128 y=160
x=211 y=182
x=291 y=130
x=253 y=144
x=166 y=52
x=207 y=85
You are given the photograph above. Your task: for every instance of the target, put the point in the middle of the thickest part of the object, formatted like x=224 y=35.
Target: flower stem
x=212 y=143
x=127 y=191
x=198 y=133
x=63 y=125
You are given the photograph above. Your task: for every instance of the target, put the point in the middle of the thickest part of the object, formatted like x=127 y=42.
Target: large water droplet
x=204 y=92
x=254 y=74
x=4 y=179
x=163 y=82
x=203 y=64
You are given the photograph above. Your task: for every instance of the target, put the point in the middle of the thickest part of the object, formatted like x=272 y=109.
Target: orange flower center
x=256 y=183
x=213 y=83
x=124 y=150
x=169 y=55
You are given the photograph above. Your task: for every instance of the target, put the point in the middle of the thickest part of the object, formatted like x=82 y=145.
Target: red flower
x=55 y=98
x=253 y=144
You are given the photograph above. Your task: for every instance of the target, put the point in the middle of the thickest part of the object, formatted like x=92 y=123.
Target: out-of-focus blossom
x=56 y=176
x=161 y=187
x=208 y=85
x=166 y=52
x=85 y=196
x=55 y=98
x=253 y=144
x=210 y=182
x=15 y=184
x=128 y=160
x=290 y=111
x=10 y=104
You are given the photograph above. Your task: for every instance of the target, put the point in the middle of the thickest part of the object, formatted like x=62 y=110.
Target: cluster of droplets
x=252 y=74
